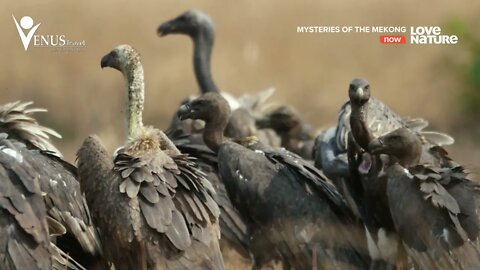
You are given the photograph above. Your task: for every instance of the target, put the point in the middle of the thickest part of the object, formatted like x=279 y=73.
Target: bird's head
x=403 y=144
x=359 y=91
x=189 y=23
x=122 y=58
x=208 y=107
x=282 y=119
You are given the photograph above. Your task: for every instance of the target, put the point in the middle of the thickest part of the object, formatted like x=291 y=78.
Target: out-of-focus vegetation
x=256 y=47
x=467 y=69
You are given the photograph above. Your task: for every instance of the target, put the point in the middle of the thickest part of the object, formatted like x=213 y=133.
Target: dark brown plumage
x=295 y=134
x=27 y=230
x=24 y=237
x=232 y=226
x=291 y=208
x=151 y=201
x=57 y=179
x=368 y=184
x=446 y=235
x=425 y=210
x=360 y=120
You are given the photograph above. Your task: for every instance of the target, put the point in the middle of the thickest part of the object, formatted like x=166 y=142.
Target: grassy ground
x=256 y=47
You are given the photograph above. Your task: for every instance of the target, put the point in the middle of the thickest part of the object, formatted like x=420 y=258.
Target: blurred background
x=256 y=47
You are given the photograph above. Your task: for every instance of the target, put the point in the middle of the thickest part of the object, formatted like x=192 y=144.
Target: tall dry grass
x=256 y=47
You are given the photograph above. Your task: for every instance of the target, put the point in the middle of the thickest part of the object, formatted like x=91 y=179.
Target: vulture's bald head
x=403 y=144
x=359 y=91
x=123 y=58
x=189 y=23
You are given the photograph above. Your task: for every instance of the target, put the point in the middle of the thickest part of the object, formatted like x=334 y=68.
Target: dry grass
x=256 y=47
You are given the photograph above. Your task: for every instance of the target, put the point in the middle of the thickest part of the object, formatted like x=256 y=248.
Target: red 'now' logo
x=393 y=39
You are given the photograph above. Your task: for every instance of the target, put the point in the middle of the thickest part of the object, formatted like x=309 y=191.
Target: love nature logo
x=419 y=35
x=26 y=30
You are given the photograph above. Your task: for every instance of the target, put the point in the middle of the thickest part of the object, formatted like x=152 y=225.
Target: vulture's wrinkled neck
x=213 y=133
x=202 y=46
x=135 y=91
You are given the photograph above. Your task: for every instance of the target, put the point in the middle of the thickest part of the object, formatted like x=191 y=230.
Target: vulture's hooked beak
x=185 y=112
x=165 y=29
x=359 y=92
x=105 y=62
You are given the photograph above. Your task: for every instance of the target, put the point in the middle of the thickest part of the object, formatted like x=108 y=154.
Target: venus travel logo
x=56 y=42
x=26 y=24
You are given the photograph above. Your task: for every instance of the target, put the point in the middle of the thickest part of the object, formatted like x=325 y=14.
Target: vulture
x=200 y=28
x=152 y=203
x=294 y=214
x=430 y=211
x=75 y=233
x=330 y=149
x=296 y=135
x=405 y=174
x=331 y=146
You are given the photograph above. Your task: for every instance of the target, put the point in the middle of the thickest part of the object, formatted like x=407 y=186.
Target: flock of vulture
x=376 y=191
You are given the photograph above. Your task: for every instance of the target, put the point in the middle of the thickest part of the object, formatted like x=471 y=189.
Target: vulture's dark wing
x=65 y=204
x=232 y=226
x=109 y=211
x=63 y=198
x=289 y=210
x=164 y=204
x=434 y=212
x=24 y=239
x=323 y=186
x=176 y=206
